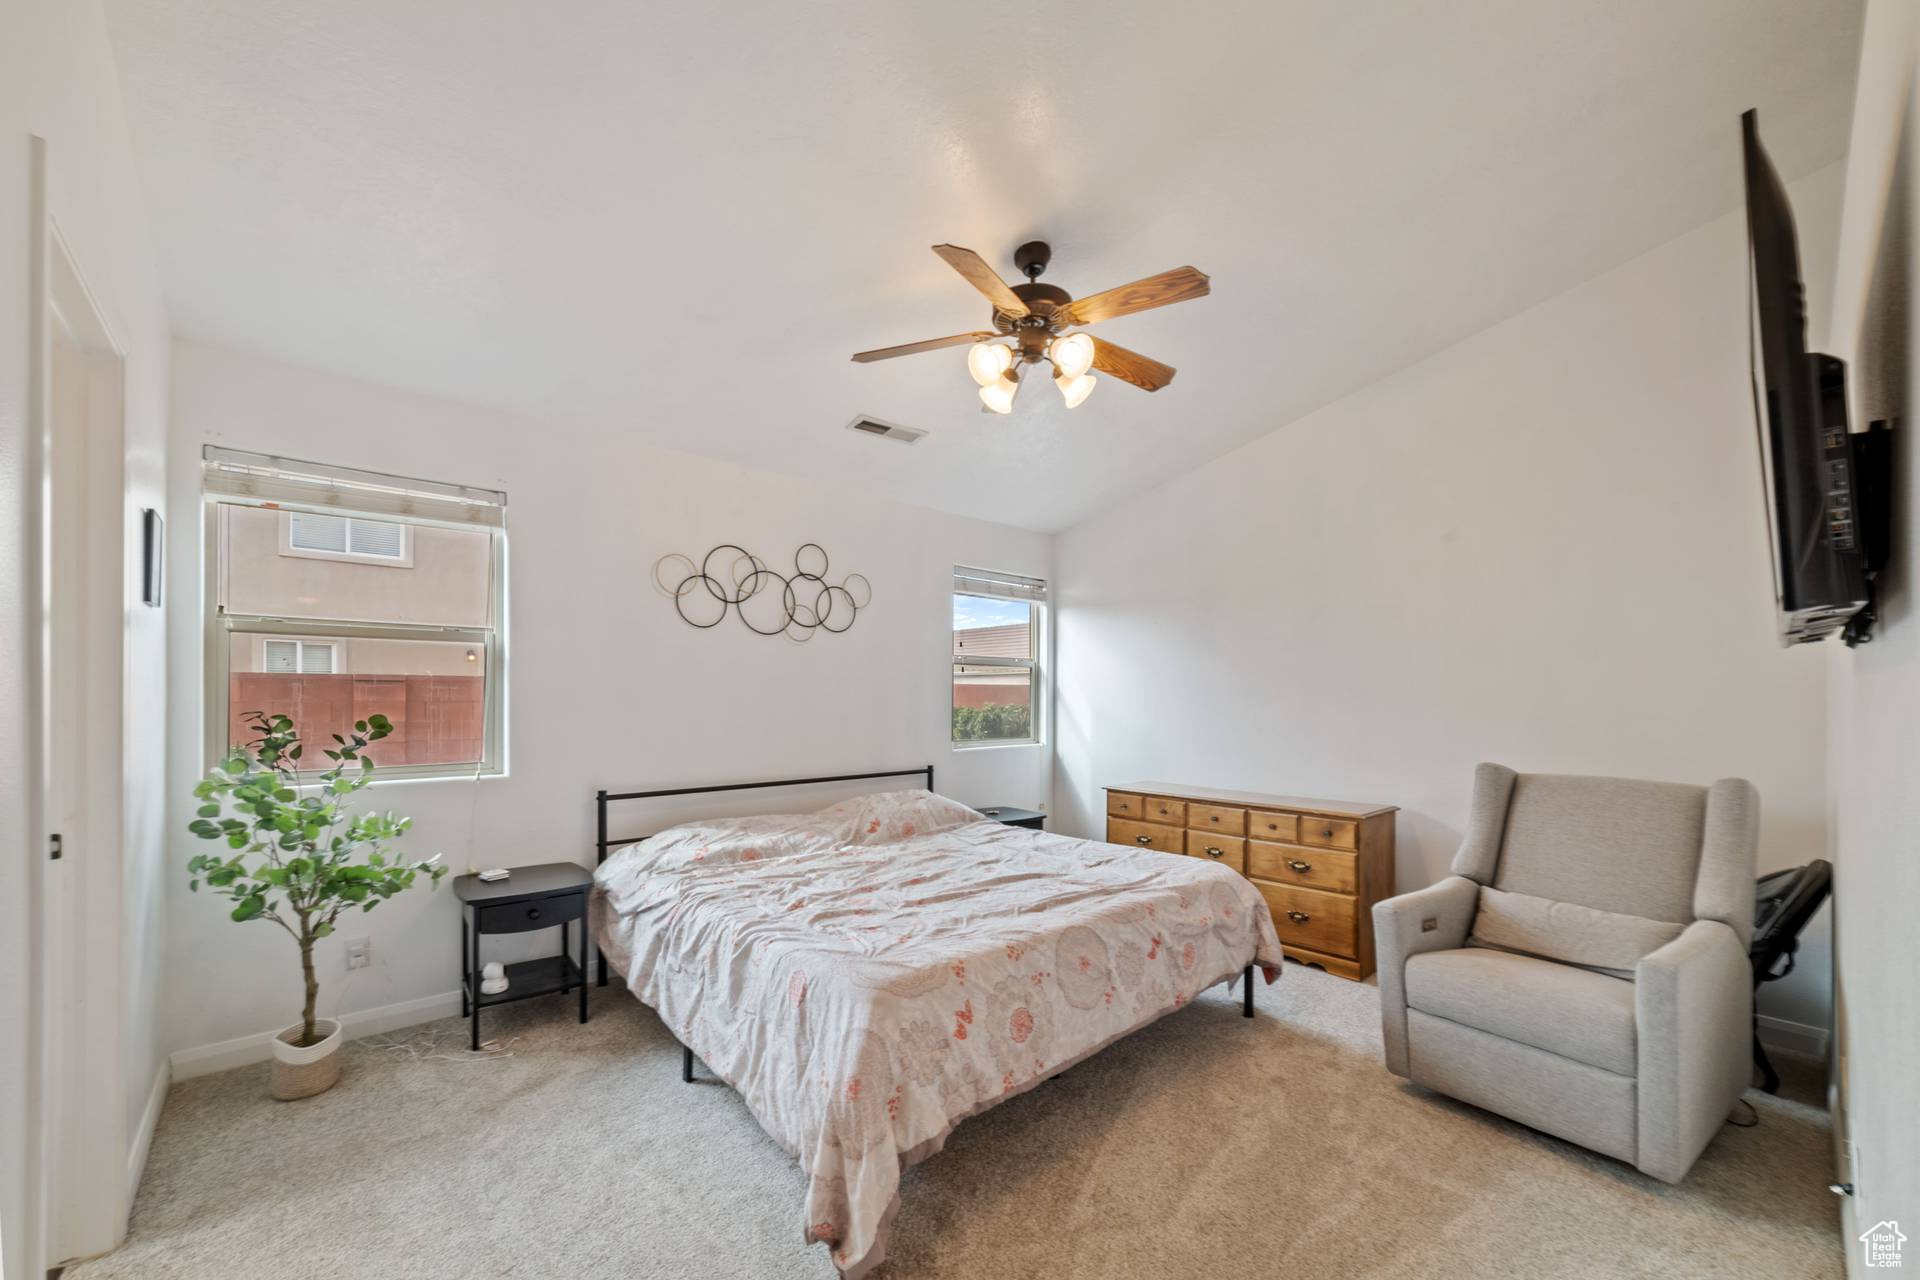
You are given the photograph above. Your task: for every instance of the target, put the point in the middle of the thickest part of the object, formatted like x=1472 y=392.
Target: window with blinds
x=308 y=657
x=997 y=623
x=309 y=533
x=339 y=594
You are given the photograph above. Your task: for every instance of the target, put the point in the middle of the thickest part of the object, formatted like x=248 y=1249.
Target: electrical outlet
x=359 y=952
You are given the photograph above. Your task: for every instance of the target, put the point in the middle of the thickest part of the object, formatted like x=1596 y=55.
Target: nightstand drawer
x=534 y=913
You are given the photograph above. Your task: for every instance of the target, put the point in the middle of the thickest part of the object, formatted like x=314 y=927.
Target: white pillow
x=901 y=815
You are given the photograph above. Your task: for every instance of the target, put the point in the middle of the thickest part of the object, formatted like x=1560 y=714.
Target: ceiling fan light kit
x=998 y=394
x=1035 y=316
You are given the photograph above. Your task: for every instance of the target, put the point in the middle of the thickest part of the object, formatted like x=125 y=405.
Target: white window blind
x=999 y=586
x=287 y=657
x=376 y=538
x=265 y=480
x=310 y=532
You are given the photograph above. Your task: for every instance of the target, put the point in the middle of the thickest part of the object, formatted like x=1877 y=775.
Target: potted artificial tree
x=301 y=861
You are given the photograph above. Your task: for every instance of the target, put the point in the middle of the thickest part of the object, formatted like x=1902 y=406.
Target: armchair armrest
x=1693 y=1014
x=1435 y=918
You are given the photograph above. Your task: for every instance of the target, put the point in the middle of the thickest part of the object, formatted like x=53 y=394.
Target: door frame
x=78 y=589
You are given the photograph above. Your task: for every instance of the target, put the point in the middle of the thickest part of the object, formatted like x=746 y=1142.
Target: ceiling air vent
x=887 y=430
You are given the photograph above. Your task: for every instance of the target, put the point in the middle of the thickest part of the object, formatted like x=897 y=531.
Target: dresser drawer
x=1263 y=824
x=1125 y=804
x=1146 y=835
x=1329 y=869
x=1211 y=817
x=1310 y=918
x=1232 y=850
x=535 y=913
x=1331 y=833
x=1160 y=809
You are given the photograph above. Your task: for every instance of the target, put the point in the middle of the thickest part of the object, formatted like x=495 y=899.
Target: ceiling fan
x=1036 y=317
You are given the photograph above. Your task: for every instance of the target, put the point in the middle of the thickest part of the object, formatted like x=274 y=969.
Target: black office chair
x=1782 y=904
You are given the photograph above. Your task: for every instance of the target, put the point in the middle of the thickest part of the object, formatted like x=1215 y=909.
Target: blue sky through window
x=976 y=611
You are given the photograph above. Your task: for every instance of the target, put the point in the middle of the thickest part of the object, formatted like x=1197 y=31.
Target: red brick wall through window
x=436 y=719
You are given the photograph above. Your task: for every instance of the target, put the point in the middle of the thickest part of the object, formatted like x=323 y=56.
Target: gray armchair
x=1584 y=969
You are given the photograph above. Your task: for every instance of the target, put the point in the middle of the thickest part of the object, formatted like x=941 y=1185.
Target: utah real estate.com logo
x=1882 y=1244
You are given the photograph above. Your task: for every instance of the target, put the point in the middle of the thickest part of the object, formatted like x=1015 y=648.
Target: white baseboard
x=149 y=1121
x=1794 y=1037
x=244 y=1050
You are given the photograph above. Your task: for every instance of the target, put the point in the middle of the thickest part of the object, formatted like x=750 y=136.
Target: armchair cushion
x=1566 y=931
x=1573 y=1012
x=1608 y=843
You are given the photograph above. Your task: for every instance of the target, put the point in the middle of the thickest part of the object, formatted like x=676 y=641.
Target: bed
x=868 y=975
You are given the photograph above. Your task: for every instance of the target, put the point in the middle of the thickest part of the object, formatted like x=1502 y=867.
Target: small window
x=312 y=533
x=307 y=657
x=996 y=658
x=308 y=618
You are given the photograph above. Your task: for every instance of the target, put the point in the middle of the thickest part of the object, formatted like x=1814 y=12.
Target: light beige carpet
x=1203 y=1146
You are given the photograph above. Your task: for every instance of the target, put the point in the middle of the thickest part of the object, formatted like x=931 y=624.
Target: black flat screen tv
x=1811 y=463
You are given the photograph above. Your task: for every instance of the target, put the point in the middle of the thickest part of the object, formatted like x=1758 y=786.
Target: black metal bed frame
x=603 y=798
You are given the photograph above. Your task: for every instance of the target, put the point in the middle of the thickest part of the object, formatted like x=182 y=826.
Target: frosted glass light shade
x=1076 y=389
x=998 y=394
x=986 y=361
x=1073 y=354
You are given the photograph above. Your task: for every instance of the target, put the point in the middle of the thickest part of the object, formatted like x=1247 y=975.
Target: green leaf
x=209 y=810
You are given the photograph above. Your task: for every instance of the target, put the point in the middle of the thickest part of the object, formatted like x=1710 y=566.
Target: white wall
x=608 y=688
x=57 y=80
x=1875 y=689
x=1544 y=547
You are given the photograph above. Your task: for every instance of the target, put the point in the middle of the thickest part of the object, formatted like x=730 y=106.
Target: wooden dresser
x=1320 y=864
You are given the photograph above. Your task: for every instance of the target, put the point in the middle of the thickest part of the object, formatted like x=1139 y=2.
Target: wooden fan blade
x=1168 y=287
x=1130 y=366
x=931 y=344
x=982 y=277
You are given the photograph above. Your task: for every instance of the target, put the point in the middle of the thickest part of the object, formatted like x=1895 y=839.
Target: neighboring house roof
x=1008 y=641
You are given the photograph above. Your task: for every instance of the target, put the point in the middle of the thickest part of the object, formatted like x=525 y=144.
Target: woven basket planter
x=303 y=1072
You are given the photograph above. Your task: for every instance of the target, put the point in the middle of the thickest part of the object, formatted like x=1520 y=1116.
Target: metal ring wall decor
x=793 y=605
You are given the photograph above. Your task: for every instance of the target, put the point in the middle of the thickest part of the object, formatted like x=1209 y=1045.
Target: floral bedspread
x=870 y=975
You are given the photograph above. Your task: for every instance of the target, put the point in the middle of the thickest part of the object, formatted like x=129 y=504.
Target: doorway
x=80 y=597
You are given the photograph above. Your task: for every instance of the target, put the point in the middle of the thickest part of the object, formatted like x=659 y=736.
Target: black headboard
x=602 y=799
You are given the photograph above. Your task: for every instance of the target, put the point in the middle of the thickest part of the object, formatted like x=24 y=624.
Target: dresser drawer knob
x=1215 y=853
x=533 y=913
x=1326 y=833
x=1298 y=917
x=1143 y=839
x=1299 y=866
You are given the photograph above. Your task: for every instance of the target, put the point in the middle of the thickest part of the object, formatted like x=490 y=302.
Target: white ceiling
x=679 y=220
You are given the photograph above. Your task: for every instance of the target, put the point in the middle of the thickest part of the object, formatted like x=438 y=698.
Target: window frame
x=1034 y=665
x=402 y=561
x=221 y=626
x=300 y=646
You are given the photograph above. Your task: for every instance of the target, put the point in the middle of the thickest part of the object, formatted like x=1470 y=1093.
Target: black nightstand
x=554 y=893
x=1032 y=819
